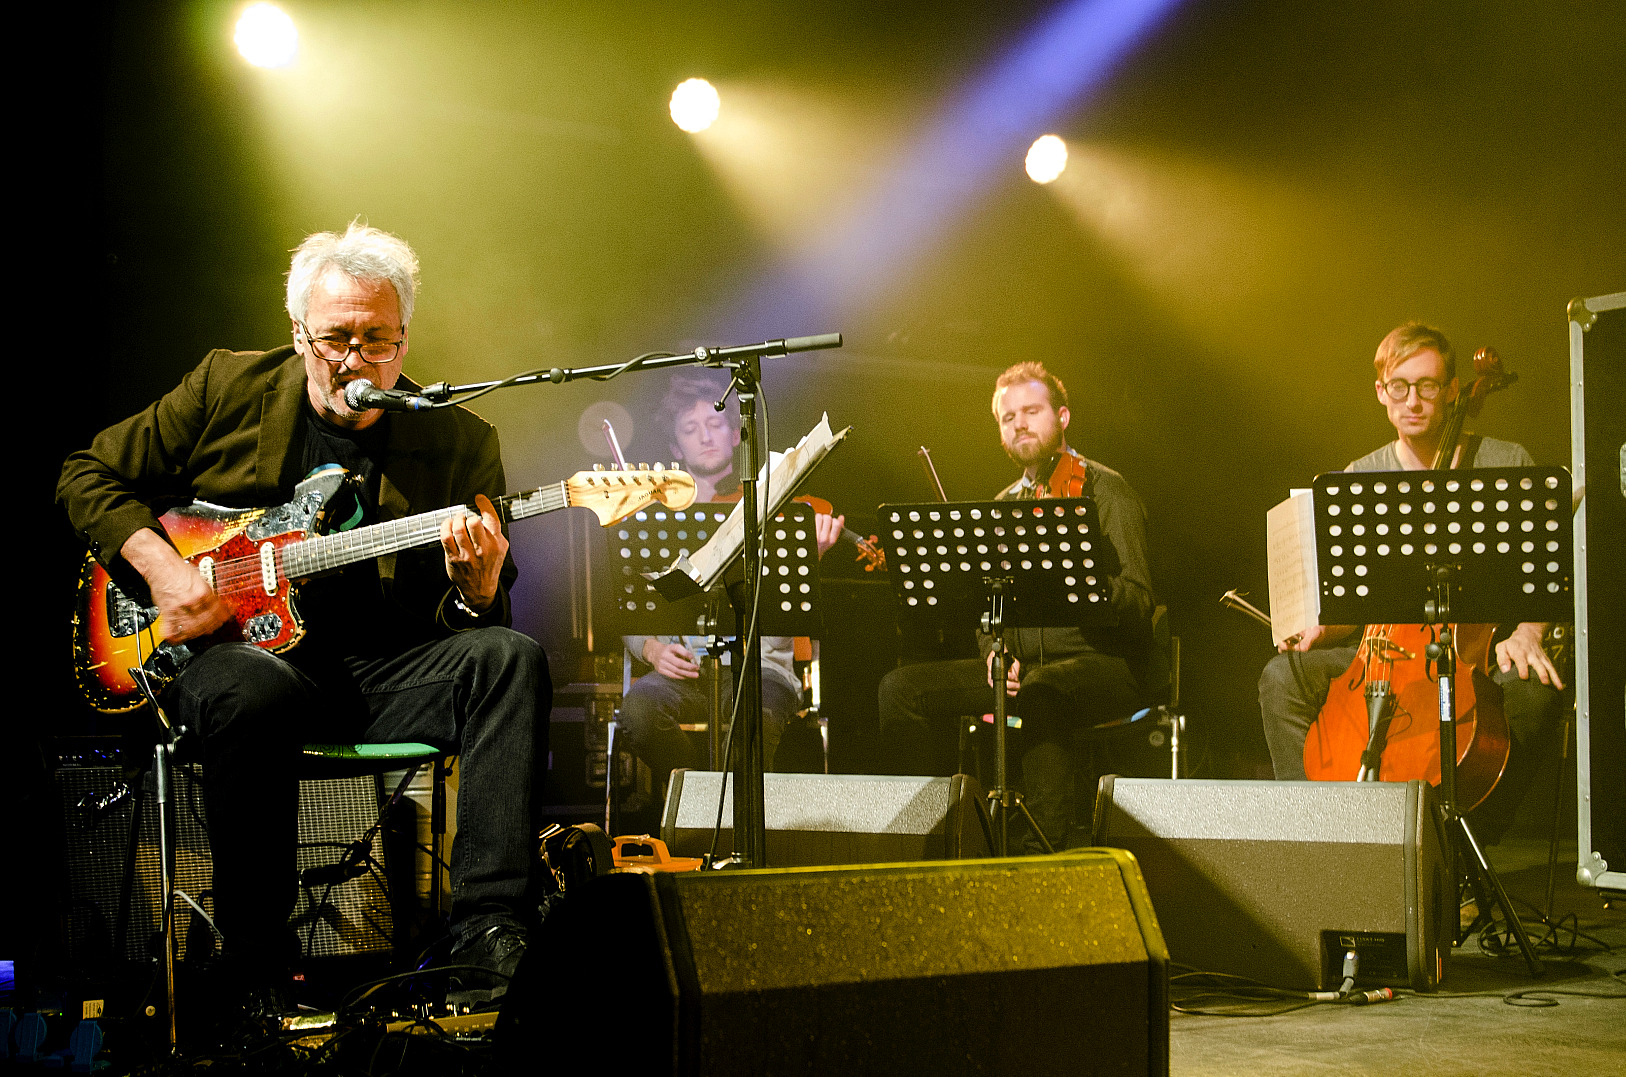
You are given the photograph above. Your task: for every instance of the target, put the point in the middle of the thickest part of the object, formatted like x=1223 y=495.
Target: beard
x=1034 y=450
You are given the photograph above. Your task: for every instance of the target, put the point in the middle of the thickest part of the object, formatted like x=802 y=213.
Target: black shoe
x=495 y=953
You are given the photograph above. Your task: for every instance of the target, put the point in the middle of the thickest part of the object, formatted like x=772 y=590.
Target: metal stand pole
x=750 y=815
x=1465 y=848
x=1002 y=799
x=160 y=771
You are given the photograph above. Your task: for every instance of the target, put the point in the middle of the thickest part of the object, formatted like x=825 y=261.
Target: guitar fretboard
x=321 y=553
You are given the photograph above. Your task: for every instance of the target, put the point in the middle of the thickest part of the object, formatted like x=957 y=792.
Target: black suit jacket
x=230 y=434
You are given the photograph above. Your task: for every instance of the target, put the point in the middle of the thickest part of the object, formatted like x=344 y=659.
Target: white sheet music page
x=1295 y=595
x=784 y=473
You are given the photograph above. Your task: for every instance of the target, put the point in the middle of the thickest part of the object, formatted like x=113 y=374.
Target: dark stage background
x=1258 y=192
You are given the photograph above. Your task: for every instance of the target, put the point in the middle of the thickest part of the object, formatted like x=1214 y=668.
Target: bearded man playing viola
x=1063 y=678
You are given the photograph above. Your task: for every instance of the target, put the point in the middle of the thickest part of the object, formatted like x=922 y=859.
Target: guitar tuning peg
x=675 y=466
x=643 y=467
x=598 y=467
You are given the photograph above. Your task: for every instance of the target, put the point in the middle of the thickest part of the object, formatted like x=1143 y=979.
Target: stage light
x=266 y=36
x=694 y=105
x=1047 y=159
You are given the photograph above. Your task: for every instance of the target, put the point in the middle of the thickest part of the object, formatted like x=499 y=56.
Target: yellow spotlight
x=266 y=36
x=694 y=105
x=1047 y=158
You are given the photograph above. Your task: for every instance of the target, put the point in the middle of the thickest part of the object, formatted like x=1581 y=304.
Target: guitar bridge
x=125 y=616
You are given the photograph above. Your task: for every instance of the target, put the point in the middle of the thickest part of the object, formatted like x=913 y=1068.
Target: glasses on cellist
x=1399 y=388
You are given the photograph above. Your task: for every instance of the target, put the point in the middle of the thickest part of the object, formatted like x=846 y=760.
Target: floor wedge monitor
x=1022 y=966
x=835 y=818
x=1276 y=881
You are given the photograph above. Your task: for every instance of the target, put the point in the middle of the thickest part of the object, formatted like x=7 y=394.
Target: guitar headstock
x=617 y=492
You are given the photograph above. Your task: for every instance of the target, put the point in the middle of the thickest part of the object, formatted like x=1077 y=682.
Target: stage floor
x=1441 y=1034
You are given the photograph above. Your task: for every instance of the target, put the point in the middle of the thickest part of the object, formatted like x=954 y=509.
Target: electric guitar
x=255 y=560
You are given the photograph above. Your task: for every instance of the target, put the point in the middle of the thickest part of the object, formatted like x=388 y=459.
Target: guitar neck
x=323 y=553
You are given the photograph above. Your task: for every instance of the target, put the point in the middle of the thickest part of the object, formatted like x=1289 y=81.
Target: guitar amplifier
x=114 y=887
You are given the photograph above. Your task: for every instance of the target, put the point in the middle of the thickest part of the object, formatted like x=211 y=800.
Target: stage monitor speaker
x=1021 y=966
x=815 y=819
x=111 y=857
x=1274 y=881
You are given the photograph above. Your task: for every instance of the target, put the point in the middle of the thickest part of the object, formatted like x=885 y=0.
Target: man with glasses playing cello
x=1416 y=383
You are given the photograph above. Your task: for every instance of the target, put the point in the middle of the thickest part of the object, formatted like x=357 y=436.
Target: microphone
x=362 y=394
x=772 y=347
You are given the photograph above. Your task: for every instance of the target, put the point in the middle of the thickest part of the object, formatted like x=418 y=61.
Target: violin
x=1390 y=666
x=869 y=550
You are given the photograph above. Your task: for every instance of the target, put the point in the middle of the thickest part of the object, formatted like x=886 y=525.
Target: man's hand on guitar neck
x=187 y=605
x=475 y=549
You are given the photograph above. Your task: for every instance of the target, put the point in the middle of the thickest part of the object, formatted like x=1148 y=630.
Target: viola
x=1407 y=737
x=1068 y=478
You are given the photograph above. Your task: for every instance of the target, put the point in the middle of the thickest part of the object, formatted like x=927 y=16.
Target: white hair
x=362 y=252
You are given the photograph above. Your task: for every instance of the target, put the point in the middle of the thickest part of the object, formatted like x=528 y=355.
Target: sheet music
x=778 y=480
x=1295 y=596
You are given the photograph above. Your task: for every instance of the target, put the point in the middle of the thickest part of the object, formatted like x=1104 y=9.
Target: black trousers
x=484 y=694
x=1055 y=699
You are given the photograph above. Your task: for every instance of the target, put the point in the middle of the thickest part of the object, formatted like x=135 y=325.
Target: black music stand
x=1492 y=545
x=645 y=544
x=1021 y=563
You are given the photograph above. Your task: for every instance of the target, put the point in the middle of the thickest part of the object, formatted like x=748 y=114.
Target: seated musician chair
x=325 y=762
x=1156 y=726
x=810 y=719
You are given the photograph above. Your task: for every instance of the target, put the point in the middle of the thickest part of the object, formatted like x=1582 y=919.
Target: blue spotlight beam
x=979 y=134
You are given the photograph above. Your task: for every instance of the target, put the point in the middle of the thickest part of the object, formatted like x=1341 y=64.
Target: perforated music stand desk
x=649 y=541
x=1505 y=532
x=1009 y=563
x=939 y=555
x=1483 y=546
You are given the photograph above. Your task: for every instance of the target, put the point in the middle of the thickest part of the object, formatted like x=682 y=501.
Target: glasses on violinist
x=1398 y=389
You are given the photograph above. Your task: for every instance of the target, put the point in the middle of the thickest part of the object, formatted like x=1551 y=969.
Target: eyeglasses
x=1399 y=388
x=337 y=351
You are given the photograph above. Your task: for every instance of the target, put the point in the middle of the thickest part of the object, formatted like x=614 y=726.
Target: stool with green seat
x=320 y=762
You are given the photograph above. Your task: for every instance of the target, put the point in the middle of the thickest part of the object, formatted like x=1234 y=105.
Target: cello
x=1381 y=717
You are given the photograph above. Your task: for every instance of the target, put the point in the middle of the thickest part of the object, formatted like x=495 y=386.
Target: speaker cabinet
x=1020 y=966
x=1276 y=880
x=115 y=891
x=815 y=819
x=110 y=838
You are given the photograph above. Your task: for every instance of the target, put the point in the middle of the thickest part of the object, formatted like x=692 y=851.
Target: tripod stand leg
x=1001 y=814
x=1483 y=877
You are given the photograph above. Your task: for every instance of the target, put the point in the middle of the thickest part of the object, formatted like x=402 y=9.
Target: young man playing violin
x=1063 y=678
x=672 y=691
x=1416 y=383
